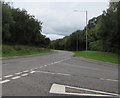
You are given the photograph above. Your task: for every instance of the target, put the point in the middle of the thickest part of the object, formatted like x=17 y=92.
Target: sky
x=59 y=18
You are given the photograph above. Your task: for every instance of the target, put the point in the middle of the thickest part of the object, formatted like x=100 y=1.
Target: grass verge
x=97 y=55
x=20 y=50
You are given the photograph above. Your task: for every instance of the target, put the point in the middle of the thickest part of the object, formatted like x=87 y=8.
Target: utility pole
x=86 y=32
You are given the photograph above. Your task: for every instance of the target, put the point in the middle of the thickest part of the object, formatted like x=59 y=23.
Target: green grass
x=20 y=50
x=97 y=55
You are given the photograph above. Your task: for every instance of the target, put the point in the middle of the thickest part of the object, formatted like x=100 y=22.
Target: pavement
x=58 y=74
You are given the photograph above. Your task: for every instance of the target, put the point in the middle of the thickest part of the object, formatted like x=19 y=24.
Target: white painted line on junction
x=18 y=73
x=8 y=76
x=16 y=77
x=60 y=89
x=24 y=74
x=35 y=68
x=0 y=78
x=45 y=65
x=41 y=67
x=109 y=80
x=58 y=61
x=4 y=81
x=26 y=71
x=54 y=73
x=63 y=74
x=32 y=71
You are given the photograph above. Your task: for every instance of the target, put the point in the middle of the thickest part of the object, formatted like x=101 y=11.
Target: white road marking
x=24 y=74
x=45 y=65
x=109 y=80
x=35 y=68
x=63 y=74
x=8 y=76
x=16 y=77
x=60 y=89
x=0 y=78
x=54 y=73
x=4 y=81
x=26 y=71
x=32 y=71
x=58 y=61
x=41 y=67
x=18 y=73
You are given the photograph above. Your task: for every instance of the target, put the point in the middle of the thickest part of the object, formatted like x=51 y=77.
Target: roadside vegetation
x=21 y=33
x=20 y=50
x=97 y=55
x=103 y=33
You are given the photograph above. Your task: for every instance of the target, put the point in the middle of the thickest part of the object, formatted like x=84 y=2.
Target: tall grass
x=19 y=50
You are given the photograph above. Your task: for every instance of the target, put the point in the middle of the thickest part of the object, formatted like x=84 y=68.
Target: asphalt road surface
x=58 y=74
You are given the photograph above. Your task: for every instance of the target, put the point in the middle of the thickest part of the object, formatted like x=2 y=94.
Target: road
x=58 y=74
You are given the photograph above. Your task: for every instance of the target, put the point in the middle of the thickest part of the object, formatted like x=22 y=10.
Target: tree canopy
x=18 y=27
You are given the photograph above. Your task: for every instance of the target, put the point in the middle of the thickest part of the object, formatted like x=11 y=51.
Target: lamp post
x=86 y=14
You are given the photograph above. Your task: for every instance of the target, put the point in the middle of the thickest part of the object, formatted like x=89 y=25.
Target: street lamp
x=86 y=13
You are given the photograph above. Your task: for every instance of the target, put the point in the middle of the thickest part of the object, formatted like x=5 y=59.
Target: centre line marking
x=16 y=77
x=24 y=74
x=109 y=80
x=18 y=73
x=26 y=71
x=32 y=71
x=8 y=76
x=4 y=81
x=54 y=73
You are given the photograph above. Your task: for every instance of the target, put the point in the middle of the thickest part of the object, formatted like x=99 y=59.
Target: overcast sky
x=59 y=18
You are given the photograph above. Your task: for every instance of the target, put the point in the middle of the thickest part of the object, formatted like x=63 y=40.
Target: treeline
x=20 y=28
x=103 y=33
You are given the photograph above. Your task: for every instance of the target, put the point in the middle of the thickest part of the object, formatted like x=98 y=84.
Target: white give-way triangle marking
x=61 y=89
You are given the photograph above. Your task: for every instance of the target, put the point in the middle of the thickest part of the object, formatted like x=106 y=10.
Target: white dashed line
x=109 y=80
x=4 y=81
x=54 y=73
x=18 y=73
x=16 y=77
x=41 y=67
x=24 y=74
x=32 y=71
x=26 y=71
x=8 y=76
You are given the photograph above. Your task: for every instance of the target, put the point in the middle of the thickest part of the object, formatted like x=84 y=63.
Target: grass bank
x=97 y=55
x=20 y=50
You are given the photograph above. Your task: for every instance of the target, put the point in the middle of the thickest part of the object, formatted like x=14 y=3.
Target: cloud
x=53 y=36
x=59 y=19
